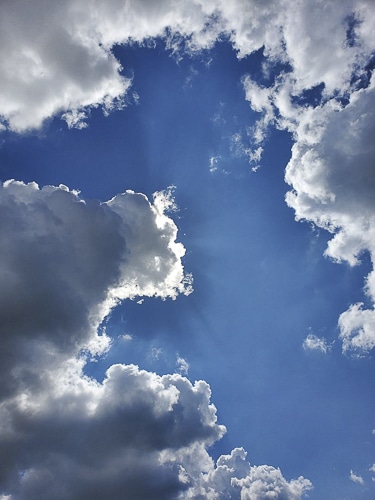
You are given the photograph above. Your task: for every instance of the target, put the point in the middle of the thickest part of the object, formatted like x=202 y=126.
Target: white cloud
x=314 y=343
x=56 y=57
x=126 y=337
x=77 y=438
x=234 y=477
x=331 y=168
x=355 y=478
x=60 y=61
x=182 y=365
x=214 y=160
x=357 y=329
x=331 y=173
x=51 y=63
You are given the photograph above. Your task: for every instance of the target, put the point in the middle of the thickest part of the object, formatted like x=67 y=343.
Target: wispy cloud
x=355 y=478
x=314 y=343
x=138 y=430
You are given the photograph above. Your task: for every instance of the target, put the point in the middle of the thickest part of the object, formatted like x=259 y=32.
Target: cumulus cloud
x=314 y=343
x=332 y=175
x=182 y=365
x=57 y=58
x=331 y=170
x=77 y=438
x=234 y=477
x=65 y=263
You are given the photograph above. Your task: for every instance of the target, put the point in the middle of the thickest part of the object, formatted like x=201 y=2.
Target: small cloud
x=218 y=118
x=314 y=343
x=75 y=119
x=213 y=163
x=355 y=478
x=156 y=352
x=189 y=79
x=126 y=337
x=183 y=365
x=140 y=301
x=372 y=469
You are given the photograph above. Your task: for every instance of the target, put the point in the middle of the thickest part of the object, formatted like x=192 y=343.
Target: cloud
x=331 y=172
x=65 y=263
x=136 y=432
x=78 y=438
x=234 y=477
x=214 y=160
x=355 y=478
x=372 y=469
x=56 y=59
x=50 y=63
x=314 y=343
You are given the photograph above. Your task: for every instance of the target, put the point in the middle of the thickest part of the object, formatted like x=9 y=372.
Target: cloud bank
x=65 y=263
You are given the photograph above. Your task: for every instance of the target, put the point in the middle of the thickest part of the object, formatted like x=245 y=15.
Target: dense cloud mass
x=65 y=263
x=56 y=58
x=332 y=175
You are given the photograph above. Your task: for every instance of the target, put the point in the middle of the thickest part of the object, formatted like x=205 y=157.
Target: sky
x=187 y=216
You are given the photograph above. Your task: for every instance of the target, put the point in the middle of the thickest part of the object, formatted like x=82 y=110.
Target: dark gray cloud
x=65 y=263
x=76 y=438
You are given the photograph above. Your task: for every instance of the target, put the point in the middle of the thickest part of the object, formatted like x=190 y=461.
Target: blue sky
x=262 y=139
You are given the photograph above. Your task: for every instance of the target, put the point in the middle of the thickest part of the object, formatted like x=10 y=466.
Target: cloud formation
x=314 y=343
x=65 y=263
x=331 y=170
